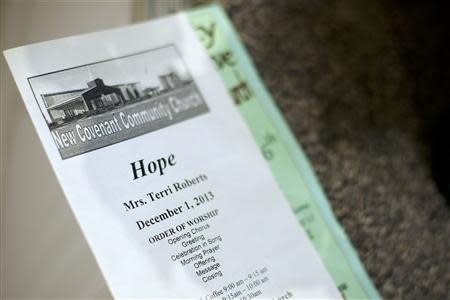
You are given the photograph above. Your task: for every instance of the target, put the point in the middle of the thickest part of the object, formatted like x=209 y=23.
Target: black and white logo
x=92 y=106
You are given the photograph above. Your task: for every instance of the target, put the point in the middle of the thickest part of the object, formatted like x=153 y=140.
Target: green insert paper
x=287 y=161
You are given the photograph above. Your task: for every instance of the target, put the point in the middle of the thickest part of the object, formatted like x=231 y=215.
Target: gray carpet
x=345 y=77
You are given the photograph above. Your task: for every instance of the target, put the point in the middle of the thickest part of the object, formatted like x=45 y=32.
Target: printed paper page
x=161 y=172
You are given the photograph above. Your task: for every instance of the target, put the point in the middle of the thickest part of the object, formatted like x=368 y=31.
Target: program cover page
x=163 y=176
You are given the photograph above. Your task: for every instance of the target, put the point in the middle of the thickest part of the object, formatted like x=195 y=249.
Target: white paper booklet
x=163 y=176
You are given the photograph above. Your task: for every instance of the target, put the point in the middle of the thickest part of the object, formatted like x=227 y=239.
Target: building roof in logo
x=78 y=92
x=65 y=103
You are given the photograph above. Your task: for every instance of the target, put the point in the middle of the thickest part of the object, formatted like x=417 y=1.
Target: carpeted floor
x=359 y=83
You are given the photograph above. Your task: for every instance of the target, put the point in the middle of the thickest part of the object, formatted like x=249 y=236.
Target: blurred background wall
x=43 y=252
